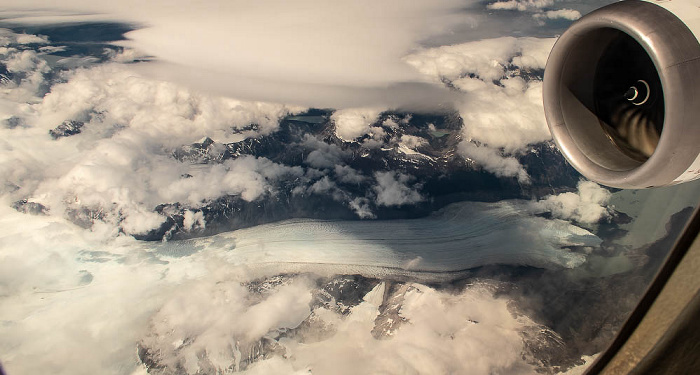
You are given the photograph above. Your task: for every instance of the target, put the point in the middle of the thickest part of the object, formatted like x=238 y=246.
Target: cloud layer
x=120 y=165
x=330 y=52
x=133 y=134
x=541 y=10
x=502 y=102
x=124 y=143
x=521 y=5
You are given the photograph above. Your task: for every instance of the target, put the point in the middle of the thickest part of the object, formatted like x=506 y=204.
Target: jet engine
x=622 y=93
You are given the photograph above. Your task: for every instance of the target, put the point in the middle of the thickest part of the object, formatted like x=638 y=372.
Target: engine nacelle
x=622 y=93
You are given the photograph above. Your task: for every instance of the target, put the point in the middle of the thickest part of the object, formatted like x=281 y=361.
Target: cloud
x=392 y=189
x=353 y=123
x=588 y=205
x=500 y=108
x=494 y=161
x=567 y=14
x=520 y=5
x=138 y=221
x=322 y=186
x=25 y=76
x=323 y=155
x=154 y=108
x=126 y=55
x=194 y=220
x=434 y=335
x=247 y=176
x=441 y=332
x=223 y=319
x=509 y=116
x=412 y=141
x=8 y=37
x=488 y=59
x=336 y=53
x=135 y=187
x=130 y=126
x=46 y=263
x=537 y=7
x=502 y=102
x=349 y=175
x=361 y=207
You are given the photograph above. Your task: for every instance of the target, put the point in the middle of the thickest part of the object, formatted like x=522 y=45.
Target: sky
x=211 y=71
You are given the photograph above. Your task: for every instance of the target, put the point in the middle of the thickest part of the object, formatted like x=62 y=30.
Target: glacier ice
x=461 y=236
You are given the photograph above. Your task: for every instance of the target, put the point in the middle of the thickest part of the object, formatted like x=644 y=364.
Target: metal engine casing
x=666 y=30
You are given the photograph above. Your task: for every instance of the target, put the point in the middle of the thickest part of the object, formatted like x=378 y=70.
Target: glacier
x=461 y=236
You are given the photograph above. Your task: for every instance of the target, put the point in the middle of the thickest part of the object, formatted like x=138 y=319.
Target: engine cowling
x=622 y=95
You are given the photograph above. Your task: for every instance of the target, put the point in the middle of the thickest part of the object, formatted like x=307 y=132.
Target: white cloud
x=138 y=221
x=126 y=55
x=339 y=53
x=567 y=14
x=494 y=161
x=510 y=116
x=392 y=189
x=487 y=58
x=507 y=114
x=22 y=61
x=134 y=186
x=361 y=208
x=247 y=176
x=348 y=175
x=28 y=39
x=588 y=205
x=323 y=155
x=322 y=186
x=48 y=294
x=537 y=7
x=520 y=5
x=194 y=220
x=442 y=332
x=223 y=319
x=502 y=112
x=353 y=123
x=154 y=108
x=412 y=141
x=27 y=70
x=121 y=164
x=437 y=337
x=8 y=37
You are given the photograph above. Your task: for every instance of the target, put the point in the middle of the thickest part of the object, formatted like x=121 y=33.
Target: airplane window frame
x=626 y=353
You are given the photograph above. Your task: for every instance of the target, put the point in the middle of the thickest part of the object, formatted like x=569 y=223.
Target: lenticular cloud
x=331 y=52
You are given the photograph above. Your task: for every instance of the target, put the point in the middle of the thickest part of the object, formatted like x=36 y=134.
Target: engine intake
x=622 y=96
